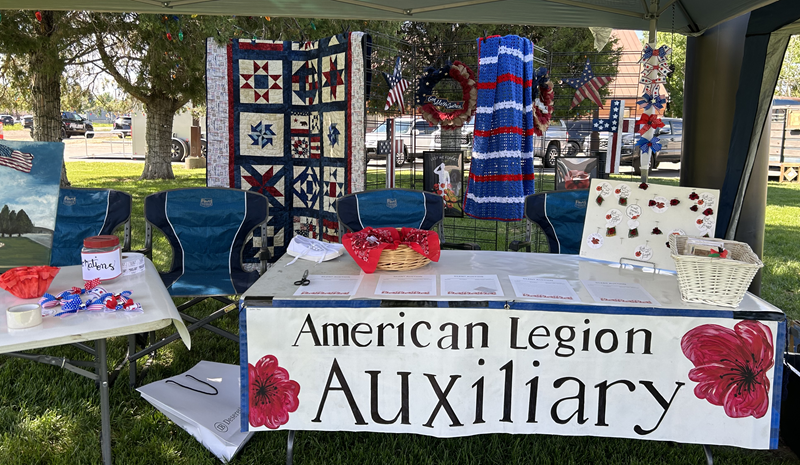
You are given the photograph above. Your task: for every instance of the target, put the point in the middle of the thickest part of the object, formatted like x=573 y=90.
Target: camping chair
x=207 y=229
x=560 y=214
x=397 y=208
x=84 y=213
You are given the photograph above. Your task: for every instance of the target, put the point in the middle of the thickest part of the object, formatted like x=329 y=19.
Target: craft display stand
x=159 y=312
x=271 y=299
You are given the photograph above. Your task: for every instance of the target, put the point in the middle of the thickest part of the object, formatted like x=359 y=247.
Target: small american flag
x=588 y=86
x=15 y=159
x=397 y=85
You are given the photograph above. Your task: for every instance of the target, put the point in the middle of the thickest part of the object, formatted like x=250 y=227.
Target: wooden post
x=194 y=160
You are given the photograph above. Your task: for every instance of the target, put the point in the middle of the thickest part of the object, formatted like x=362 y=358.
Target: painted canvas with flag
x=30 y=173
x=286 y=119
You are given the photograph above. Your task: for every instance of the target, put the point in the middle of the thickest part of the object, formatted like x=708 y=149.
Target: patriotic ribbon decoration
x=649 y=101
x=649 y=122
x=661 y=52
x=49 y=301
x=69 y=306
x=650 y=82
x=660 y=68
x=653 y=144
x=651 y=88
x=97 y=304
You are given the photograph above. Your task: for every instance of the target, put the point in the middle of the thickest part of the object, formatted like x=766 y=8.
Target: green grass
x=19 y=251
x=51 y=416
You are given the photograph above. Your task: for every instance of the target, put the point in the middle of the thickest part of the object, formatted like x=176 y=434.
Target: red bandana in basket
x=365 y=246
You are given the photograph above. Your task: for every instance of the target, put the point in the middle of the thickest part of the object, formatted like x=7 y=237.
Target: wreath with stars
x=448 y=119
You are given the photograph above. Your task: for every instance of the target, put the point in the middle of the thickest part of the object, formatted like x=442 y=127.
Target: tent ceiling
x=691 y=16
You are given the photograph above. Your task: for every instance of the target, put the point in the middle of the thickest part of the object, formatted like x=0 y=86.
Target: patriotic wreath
x=448 y=119
x=543 y=95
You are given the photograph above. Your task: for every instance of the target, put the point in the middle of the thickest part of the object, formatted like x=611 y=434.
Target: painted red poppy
x=731 y=366
x=272 y=394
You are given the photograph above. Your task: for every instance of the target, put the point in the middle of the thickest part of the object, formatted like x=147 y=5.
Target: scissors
x=303 y=281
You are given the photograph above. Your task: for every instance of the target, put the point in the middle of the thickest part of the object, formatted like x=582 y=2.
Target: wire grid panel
x=418 y=136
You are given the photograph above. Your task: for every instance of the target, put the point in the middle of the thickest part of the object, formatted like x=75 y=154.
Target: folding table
x=158 y=312
x=457 y=365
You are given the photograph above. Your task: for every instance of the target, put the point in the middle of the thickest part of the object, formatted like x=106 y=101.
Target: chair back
x=84 y=213
x=207 y=229
x=560 y=214
x=384 y=208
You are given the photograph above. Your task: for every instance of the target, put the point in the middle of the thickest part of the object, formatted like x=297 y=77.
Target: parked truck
x=180 y=148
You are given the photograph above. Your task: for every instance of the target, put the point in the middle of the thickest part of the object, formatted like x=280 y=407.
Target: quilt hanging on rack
x=286 y=119
x=502 y=172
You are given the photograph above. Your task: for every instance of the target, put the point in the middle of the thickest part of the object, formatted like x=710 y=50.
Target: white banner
x=458 y=372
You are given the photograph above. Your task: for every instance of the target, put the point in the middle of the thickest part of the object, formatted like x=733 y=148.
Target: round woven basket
x=715 y=281
x=403 y=258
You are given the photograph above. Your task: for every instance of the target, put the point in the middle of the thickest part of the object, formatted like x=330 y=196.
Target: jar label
x=103 y=265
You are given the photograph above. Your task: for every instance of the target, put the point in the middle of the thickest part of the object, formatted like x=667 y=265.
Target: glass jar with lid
x=101 y=258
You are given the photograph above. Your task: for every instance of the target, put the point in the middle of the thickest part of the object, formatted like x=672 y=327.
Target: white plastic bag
x=204 y=401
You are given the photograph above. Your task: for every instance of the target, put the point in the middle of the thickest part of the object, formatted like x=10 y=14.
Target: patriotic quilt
x=286 y=119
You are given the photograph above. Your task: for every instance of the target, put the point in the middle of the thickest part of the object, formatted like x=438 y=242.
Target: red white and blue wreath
x=453 y=114
x=543 y=96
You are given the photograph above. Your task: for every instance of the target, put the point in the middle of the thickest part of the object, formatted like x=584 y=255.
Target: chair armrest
x=515 y=246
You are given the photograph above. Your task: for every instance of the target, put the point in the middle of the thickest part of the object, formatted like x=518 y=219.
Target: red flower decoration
x=643 y=186
x=731 y=366
x=651 y=203
x=693 y=196
x=649 y=122
x=656 y=231
x=599 y=200
x=674 y=202
x=595 y=241
x=272 y=394
x=708 y=212
x=693 y=208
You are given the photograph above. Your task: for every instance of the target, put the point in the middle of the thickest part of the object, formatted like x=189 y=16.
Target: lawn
x=18 y=251
x=50 y=416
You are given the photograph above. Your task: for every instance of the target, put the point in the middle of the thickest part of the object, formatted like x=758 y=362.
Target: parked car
x=72 y=124
x=7 y=120
x=555 y=142
x=416 y=134
x=671 y=137
x=123 y=123
x=27 y=121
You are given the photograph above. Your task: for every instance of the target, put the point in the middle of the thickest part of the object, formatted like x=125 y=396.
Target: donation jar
x=101 y=258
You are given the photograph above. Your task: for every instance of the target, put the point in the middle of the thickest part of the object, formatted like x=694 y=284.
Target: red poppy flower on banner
x=731 y=366
x=649 y=122
x=272 y=394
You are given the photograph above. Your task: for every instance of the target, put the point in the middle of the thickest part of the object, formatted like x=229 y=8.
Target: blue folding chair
x=207 y=229
x=84 y=213
x=560 y=214
x=395 y=208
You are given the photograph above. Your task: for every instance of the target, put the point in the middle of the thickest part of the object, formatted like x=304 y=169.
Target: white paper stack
x=212 y=415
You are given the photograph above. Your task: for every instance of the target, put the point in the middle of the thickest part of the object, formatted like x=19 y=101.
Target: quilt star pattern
x=285 y=119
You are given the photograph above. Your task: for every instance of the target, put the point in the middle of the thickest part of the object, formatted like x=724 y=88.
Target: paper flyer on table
x=416 y=285
x=471 y=285
x=620 y=293
x=325 y=285
x=531 y=287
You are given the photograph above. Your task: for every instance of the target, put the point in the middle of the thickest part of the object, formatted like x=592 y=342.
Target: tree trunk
x=158 y=161
x=46 y=68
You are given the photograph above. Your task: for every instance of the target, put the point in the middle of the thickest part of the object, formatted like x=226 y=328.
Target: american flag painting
x=15 y=159
x=397 y=85
x=588 y=86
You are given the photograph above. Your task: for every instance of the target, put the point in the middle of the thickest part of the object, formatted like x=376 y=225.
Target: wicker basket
x=715 y=281
x=403 y=258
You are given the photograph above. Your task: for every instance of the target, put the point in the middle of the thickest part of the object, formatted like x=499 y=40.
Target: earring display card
x=633 y=221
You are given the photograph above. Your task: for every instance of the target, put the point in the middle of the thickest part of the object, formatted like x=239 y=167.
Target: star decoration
x=587 y=86
x=263 y=184
x=261 y=134
x=333 y=134
x=333 y=77
x=397 y=85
